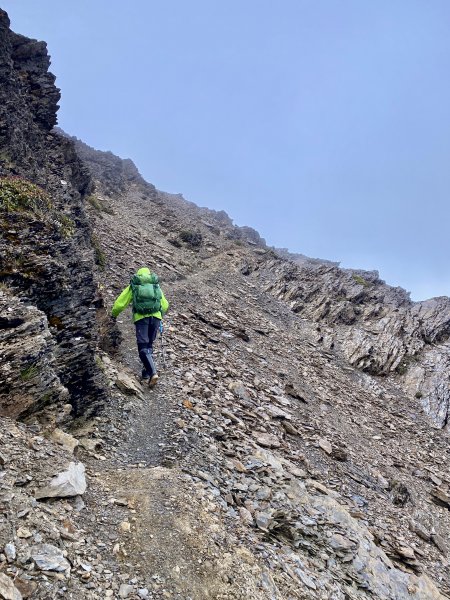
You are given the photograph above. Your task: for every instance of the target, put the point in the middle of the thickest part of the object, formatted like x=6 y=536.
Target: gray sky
x=324 y=124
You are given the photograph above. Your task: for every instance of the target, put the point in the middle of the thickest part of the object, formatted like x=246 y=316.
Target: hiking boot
x=153 y=380
x=145 y=374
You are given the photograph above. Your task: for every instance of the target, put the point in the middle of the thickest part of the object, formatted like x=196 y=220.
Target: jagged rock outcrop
x=28 y=370
x=114 y=175
x=46 y=256
x=374 y=326
x=113 y=172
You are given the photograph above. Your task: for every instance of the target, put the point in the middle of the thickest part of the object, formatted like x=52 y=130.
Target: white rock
x=10 y=552
x=8 y=590
x=68 y=483
x=325 y=445
x=49 y=558
x=125 y=590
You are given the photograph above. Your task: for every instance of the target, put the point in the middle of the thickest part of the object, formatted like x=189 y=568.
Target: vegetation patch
x=56 y=322
x=65 y=224
x=99 y=255
x=360 y=280
x=99 y=205
x=28 y=373
x=192 y=238
x=17 y=194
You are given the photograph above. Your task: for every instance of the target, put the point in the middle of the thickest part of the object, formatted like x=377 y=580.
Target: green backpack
x=146 y=294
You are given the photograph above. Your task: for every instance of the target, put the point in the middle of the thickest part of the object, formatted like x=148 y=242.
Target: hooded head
x=146 y=276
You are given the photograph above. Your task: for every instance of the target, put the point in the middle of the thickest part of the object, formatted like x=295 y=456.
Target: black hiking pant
x=146 y=332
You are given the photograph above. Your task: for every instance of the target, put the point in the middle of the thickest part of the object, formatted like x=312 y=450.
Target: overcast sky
x=324 y=124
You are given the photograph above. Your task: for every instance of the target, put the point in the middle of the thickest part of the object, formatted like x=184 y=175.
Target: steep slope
x=330 y=474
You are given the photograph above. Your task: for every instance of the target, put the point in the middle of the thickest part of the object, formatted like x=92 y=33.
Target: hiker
x=149 y=307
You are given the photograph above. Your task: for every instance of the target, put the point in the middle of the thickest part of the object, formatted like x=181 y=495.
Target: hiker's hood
x=146 y=276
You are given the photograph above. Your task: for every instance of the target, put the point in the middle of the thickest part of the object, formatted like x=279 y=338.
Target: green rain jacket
x=126 y=297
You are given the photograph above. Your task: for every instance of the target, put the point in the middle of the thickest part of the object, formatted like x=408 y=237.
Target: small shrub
x=65 y=224
x=419 y=395
x=56 y=322
x=28 y=373
x=17 y=194
x=402 y=367
x=99 y=255
x=360 y=280
x=192 y=238
x=94 y=202
x=98 y=205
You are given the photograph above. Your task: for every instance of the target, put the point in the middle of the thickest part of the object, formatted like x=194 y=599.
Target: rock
x=294 y=390
x=263 y=520
x=420 y=530
x=128 y=385
x=49 y=558
x=125 y=590
x=68 y=483
x=125 y=527
x=441 y=497
x=325 y=445
x=439 y=542
x=10 y=552
x=26 y=587
x=289 y=428
x=8 y=590
x=64 y=439
x=246 y=516
x=24 y=533
x=340 y=454
x=342 y=545
x=406 y=552
x=267 y=440
x=278 y=413
x=238 y=465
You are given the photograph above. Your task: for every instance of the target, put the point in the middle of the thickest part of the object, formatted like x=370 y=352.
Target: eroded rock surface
x=47 y=257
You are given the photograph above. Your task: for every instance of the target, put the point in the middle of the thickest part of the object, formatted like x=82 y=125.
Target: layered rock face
x=46 y=257
x=28 y=370
x=377 y=328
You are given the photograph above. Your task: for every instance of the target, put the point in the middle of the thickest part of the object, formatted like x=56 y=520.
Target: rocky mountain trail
x=296 y=445
x=237 y=427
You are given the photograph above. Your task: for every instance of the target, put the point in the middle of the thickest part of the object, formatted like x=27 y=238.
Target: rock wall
x=376 y=327
x=28 y=377
x=46 y=257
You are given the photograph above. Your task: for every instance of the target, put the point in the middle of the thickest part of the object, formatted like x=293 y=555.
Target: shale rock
x=68 y=483
x=8 y=590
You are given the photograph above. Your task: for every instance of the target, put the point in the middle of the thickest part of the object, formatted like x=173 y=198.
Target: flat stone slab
x=68 y=483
